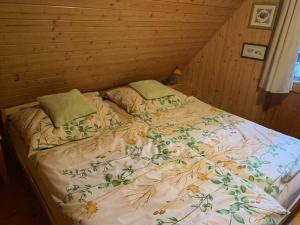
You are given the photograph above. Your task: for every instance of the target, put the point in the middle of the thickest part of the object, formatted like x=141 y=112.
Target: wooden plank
x=17 y=64
x=219 y=3
x=12 y=50
x=40 y=12
x=145 y=5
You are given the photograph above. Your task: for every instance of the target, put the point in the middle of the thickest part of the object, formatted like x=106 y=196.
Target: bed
x=166 y=168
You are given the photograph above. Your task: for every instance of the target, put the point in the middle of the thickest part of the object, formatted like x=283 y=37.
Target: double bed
x=175 y=161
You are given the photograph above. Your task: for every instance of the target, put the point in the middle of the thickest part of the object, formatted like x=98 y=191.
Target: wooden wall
x=219 y=76
x=49 y=46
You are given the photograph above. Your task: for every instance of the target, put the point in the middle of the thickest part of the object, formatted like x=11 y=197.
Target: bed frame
x=5 y=117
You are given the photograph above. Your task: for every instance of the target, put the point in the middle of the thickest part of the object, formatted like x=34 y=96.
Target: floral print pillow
x=39 y=132
x=135 y=104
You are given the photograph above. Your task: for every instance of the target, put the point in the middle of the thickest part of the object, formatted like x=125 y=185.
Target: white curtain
x=279 y=68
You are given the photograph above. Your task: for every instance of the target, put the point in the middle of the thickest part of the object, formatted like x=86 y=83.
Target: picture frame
x=254 y=51
x=263 y=15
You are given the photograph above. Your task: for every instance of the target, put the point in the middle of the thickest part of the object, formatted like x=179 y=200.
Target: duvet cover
x=139 y=174
x=191 y=164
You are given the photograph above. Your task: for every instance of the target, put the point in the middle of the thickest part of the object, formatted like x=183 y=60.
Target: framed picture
x=254 y=51
x=263 y=15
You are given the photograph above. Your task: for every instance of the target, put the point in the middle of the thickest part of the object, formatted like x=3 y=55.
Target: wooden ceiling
x=48 y=46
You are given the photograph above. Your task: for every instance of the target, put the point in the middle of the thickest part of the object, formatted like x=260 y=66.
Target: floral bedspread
x=262 y=156
x=158 y=174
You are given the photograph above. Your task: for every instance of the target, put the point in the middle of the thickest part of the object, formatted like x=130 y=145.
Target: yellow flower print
x=142 y=134
x=157 y=114
x=202 y=176
x=91 y=207
x=193 y=188
x=131 y=141
x=160 y=212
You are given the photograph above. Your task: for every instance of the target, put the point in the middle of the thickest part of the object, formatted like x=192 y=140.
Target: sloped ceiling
x=48 y=46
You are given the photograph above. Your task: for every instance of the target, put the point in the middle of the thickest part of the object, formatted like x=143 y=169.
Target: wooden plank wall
x=48 y=46
x=219 y=76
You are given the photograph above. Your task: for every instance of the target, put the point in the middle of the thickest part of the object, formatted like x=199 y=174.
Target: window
x=297 y=69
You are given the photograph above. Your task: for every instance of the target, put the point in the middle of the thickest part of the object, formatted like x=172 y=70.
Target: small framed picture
x=263 y=15
x=254 y=51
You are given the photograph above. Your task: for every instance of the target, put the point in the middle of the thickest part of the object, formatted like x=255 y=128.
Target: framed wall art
x=263 y=15
x=254 y=51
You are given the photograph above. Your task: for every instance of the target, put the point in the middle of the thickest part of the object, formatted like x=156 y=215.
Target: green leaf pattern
x=174 y=154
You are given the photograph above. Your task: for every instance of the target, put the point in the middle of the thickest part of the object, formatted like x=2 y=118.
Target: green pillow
x=65 y=107
x=151 y=89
